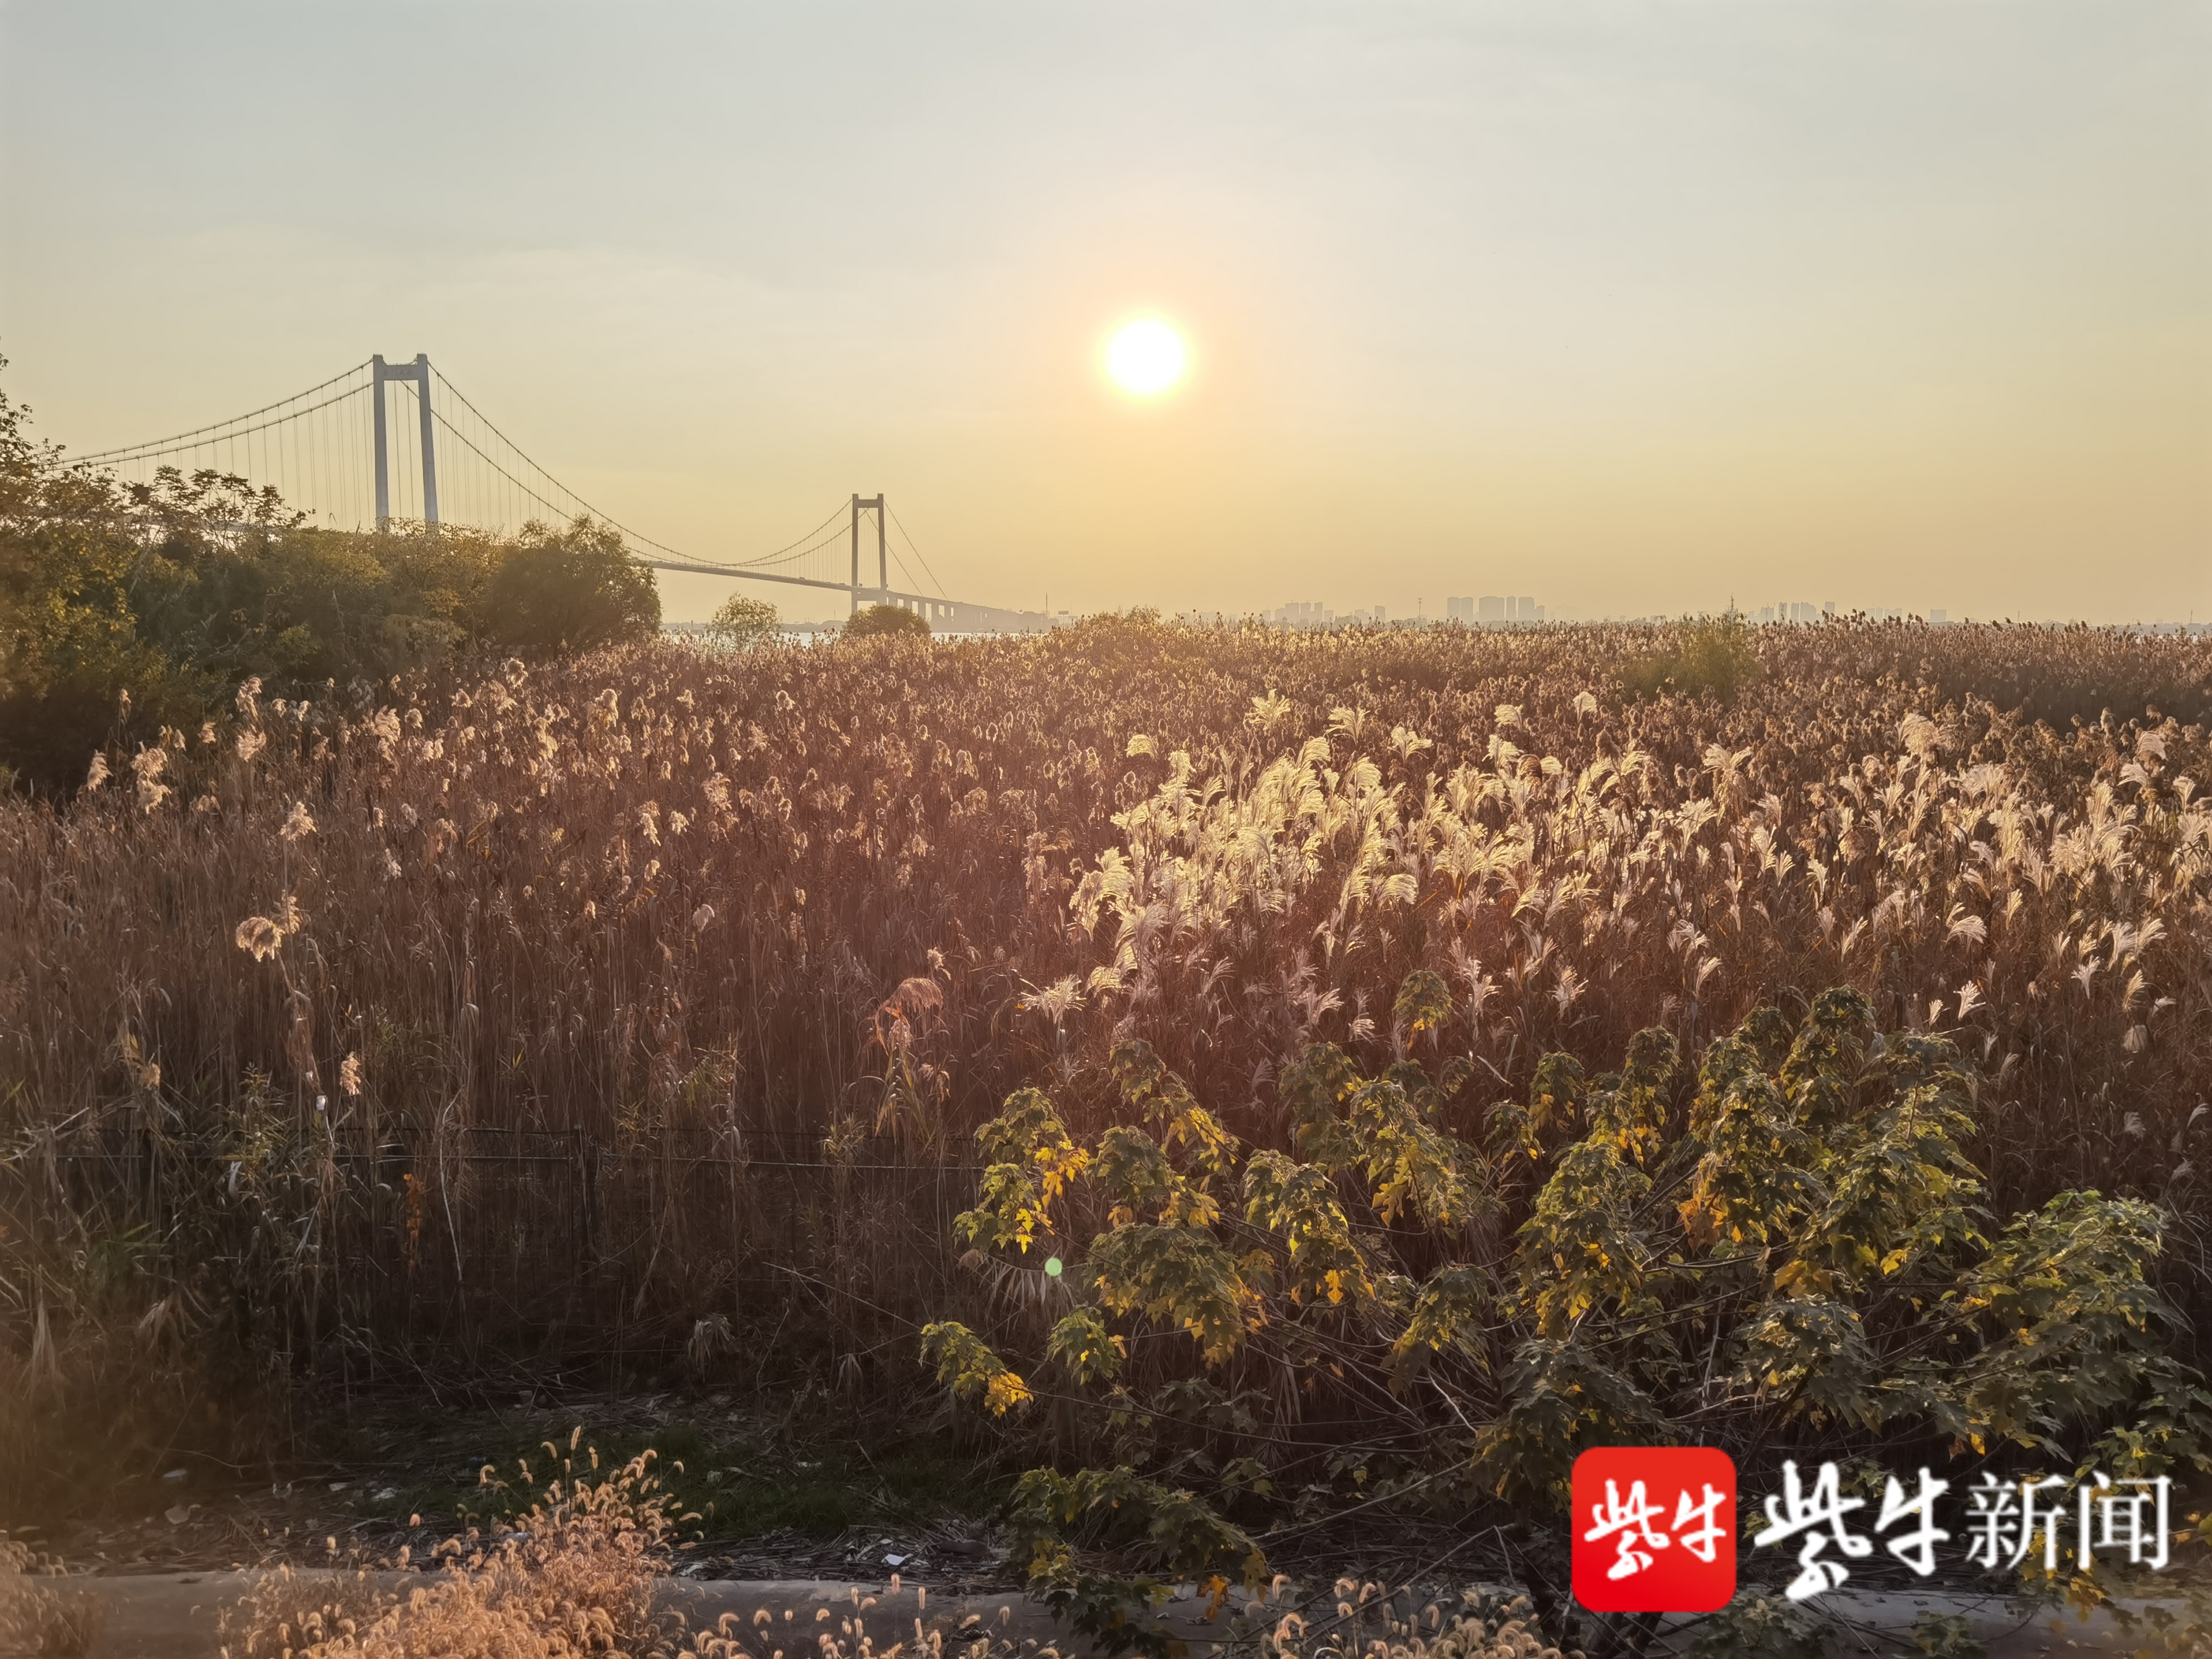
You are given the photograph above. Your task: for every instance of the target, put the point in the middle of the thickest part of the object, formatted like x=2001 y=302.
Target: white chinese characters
x=2008 y=1524
x=1629 y=1521
x=1797 y=1511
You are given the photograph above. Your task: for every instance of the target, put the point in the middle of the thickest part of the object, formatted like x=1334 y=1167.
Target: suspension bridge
x=387 y=444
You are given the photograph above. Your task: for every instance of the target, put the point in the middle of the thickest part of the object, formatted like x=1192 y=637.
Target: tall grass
x=37 y=1619
x=632 y=1013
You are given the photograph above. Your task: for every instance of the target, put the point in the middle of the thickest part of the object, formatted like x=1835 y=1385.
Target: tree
x=126 y=608
x=743 y=622
x=1712 y=657
x=876 y=619
x=76 y=670
x=1789 y=1248
x=569 y=590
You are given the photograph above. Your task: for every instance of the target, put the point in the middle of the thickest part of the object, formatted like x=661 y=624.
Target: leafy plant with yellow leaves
x=1791 y=1248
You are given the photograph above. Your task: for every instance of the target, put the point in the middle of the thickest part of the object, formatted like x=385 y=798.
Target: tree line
x=128 y=607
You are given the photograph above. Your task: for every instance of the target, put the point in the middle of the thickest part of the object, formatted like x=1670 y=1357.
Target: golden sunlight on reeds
x=550 y=1018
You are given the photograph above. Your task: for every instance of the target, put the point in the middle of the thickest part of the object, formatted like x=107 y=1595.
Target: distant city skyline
x=1465 y=609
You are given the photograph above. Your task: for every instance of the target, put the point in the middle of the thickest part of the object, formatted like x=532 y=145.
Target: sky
x=1649 y=306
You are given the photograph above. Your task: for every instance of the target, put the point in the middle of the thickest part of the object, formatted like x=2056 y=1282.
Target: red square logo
x=1654 y=1529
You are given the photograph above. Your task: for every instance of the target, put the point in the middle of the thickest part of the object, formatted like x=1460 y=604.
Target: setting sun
x=1145 y=357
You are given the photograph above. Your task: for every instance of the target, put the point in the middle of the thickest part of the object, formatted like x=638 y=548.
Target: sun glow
x=1146 y=356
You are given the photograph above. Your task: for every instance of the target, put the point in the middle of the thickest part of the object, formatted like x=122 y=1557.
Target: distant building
x=1309 y=613
x=1495 y=608
x=1938 y=618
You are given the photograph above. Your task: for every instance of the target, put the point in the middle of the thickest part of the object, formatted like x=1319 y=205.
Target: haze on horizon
x=1632 y=307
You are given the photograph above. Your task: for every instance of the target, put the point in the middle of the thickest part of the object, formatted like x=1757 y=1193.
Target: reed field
x=631 y=1015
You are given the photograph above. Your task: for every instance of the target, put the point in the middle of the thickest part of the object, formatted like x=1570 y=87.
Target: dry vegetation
x=41 y=1618
x=578 y=1566
x=634 y=1013
x=572 y=1570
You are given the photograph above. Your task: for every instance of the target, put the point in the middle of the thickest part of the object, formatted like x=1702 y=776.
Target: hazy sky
x=1631 y=307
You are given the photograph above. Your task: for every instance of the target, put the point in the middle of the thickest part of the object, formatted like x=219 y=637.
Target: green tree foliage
x=742 y=622
x=125 y=608
x=571 y=590
x=874 y=619
x=1711 y=657
x=1789 y=1249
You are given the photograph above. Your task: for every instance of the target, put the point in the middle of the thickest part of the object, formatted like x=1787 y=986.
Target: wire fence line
x=500 y=1242
x=604 y=1156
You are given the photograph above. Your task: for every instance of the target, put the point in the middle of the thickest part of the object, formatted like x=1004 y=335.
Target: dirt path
x=175 y=1615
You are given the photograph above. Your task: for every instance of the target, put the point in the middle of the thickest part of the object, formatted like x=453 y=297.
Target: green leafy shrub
x=1791 y=1249
x=570 y=590
x=871 y=620
x=129 y=609
x=1711 y=657
x=742 y=622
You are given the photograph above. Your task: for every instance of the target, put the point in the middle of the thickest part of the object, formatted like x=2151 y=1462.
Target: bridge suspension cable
x=316 y=449
x=916 y=551
x=200 y=436
x=341 y=452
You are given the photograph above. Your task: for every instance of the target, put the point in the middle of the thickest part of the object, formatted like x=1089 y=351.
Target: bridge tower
x=380 y=373
x=870 y=504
